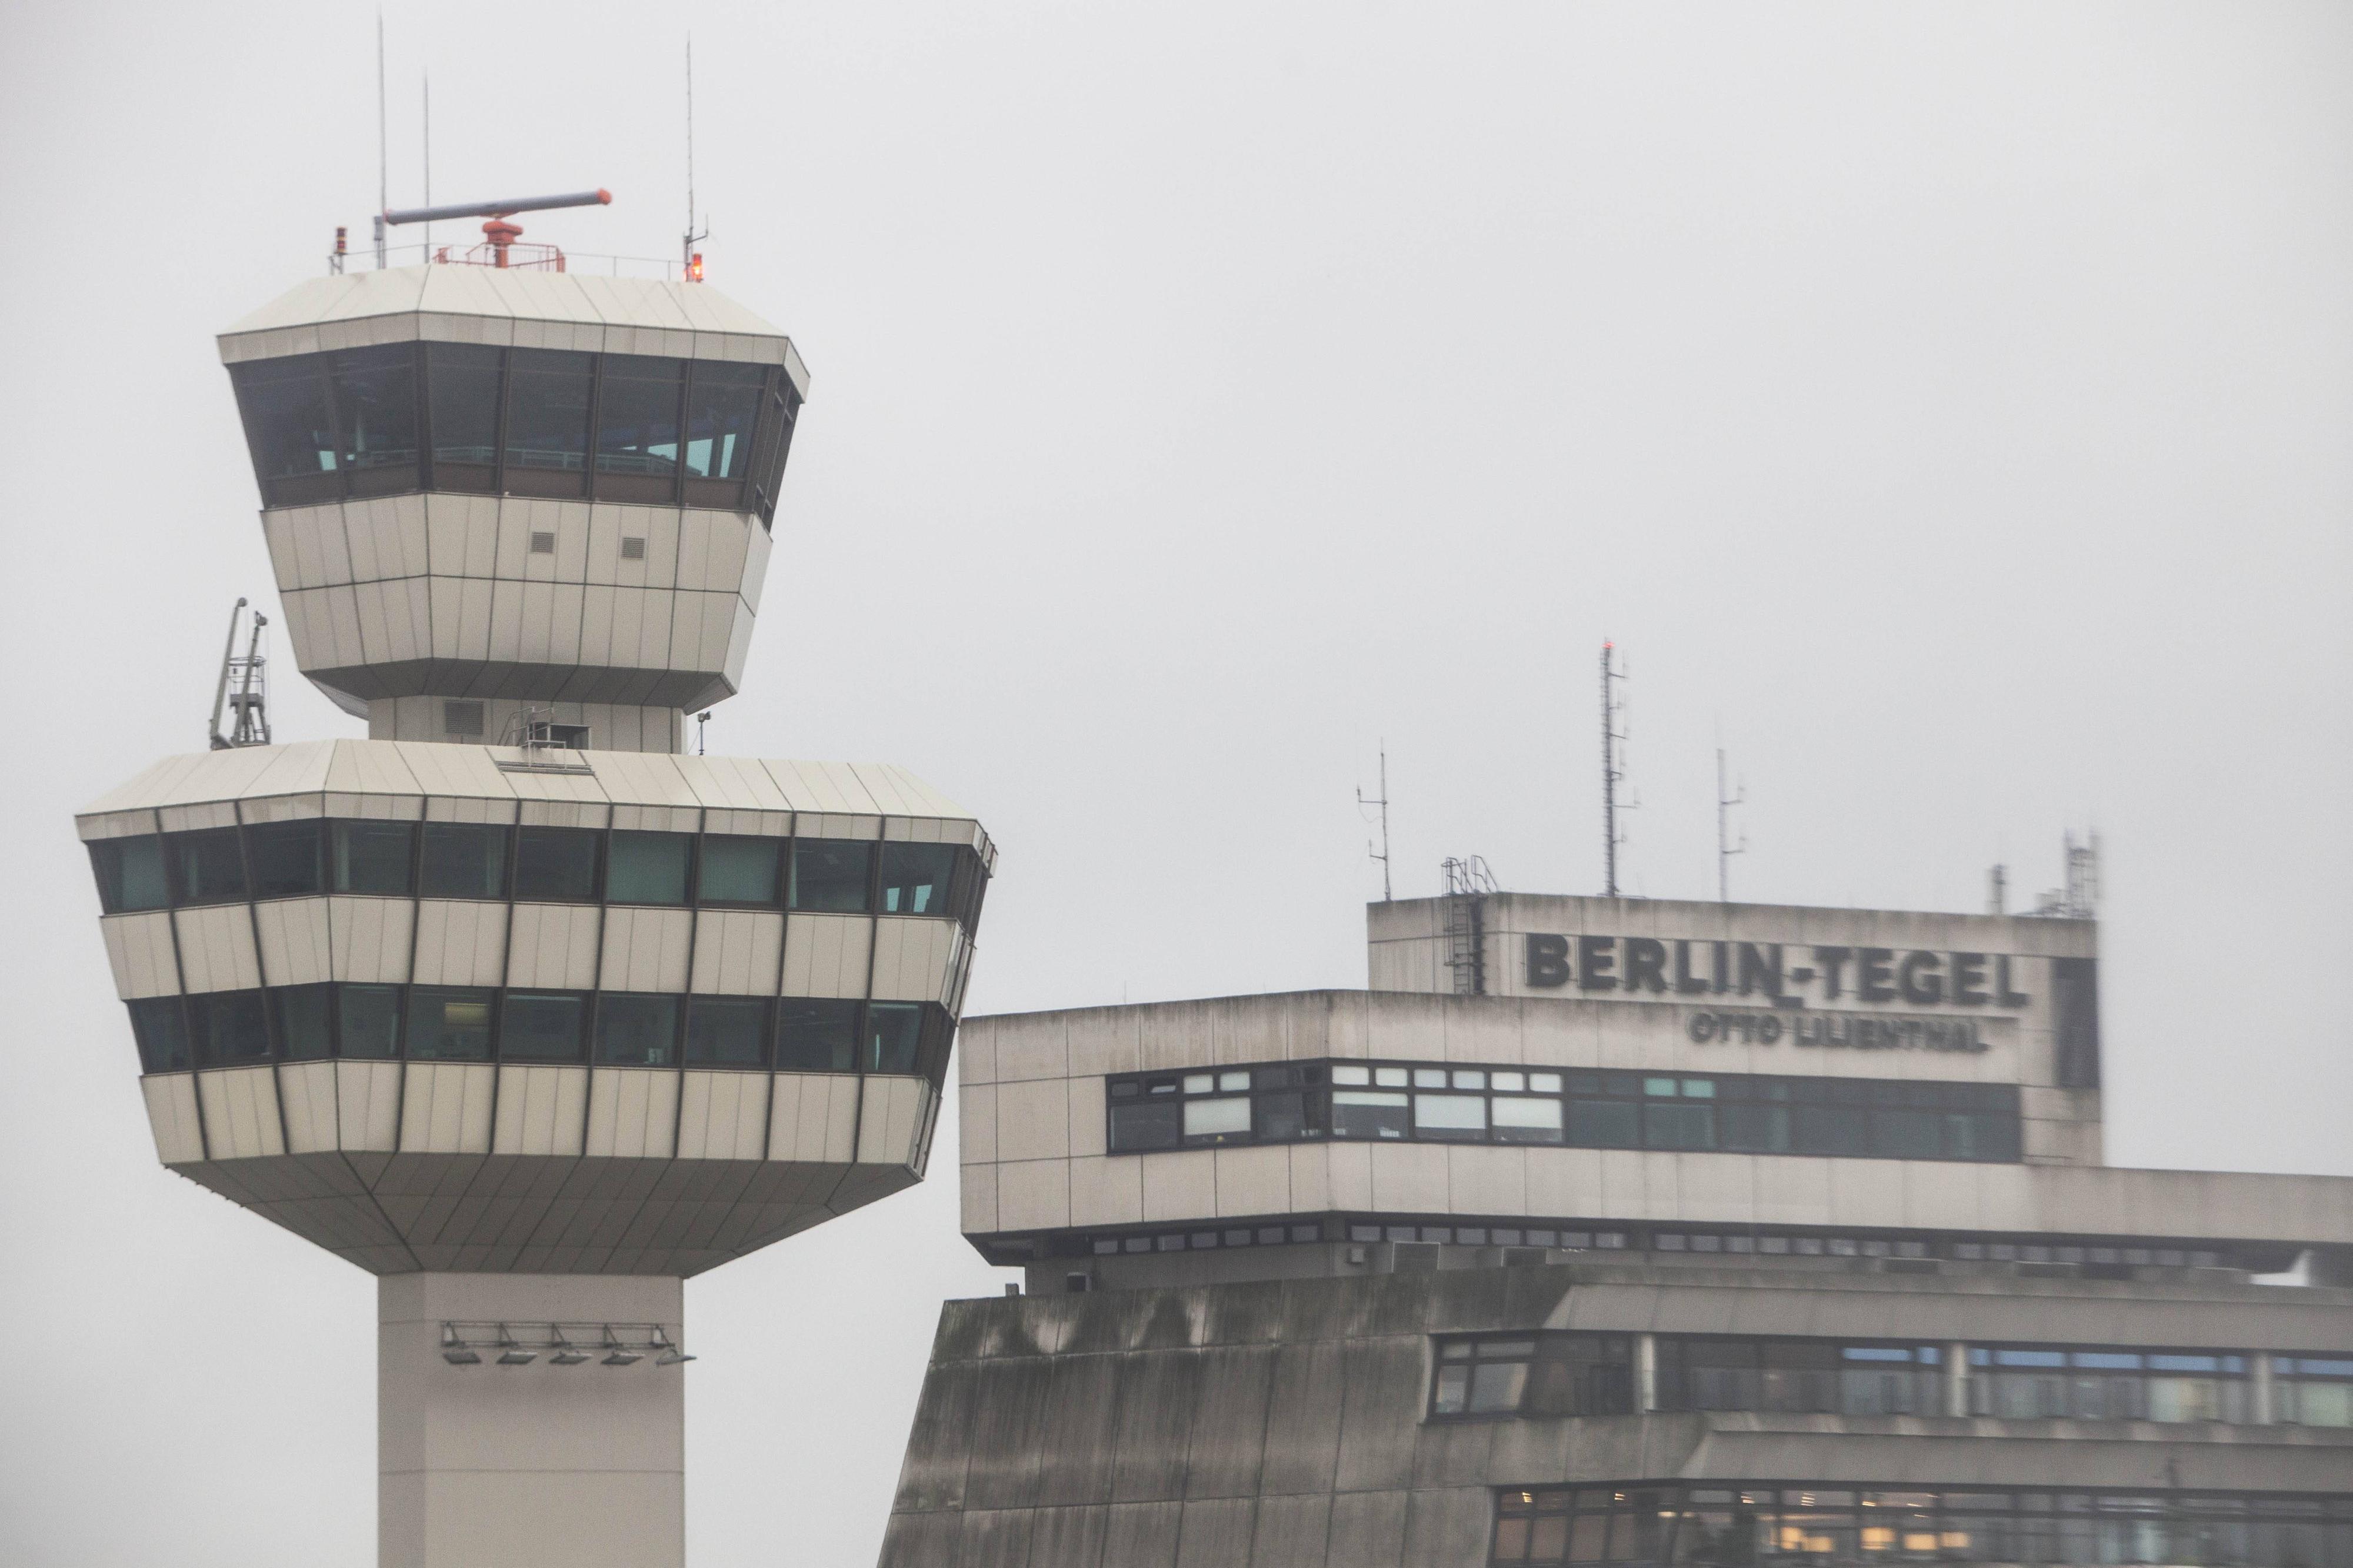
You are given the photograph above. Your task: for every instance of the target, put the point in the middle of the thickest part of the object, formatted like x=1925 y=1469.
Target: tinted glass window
x=463 y=860
x=556 y=865
x=915 y=878
x=1679 y=1126
x=367 y=1021
x=293 y=434
x=721 y=411
x=831 y=874
x=373 y=856
x=740 y=870
x=130 y=874
x=207 y=868
x=376 y=415
x=894 y=1034
x=289 y=859
x=1603 y=1123
x=547 y=410
x=1367 y=1113
x=726 y=1031
x=1144 y=1124
x=543 y=1026
x=447 y=1025
x=228 y=1028
x=649 y=868
x=816 y=1035
x=634 y=1029
x=305 y=1022
x=162 y=1034
x=637 y=416
x=463 y=380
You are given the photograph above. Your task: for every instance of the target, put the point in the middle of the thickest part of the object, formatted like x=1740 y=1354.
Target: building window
x=548 y=393
x=2036 y=1383
x=741 y=871
x=447 y=1023
x=463 y=860
x=367 y=1022
x=289 y=859
x=228 y=1028
x=306 y=1022
x=462 y=404
x=1546 y=1374
x=2314 y=1390
x=375 y=417
x=130 y=874
x=207 y=867
x=637 y=428
x=1800 y=1376
x=894 y=1037
x=832 y=876
x=162 y=1032
x=816 y=1034
x=372 y=857
x=556 y=865
x=543 y=1026
x=637 y=1029
x=649 y=868
x=726 y=1032
x=916 y=877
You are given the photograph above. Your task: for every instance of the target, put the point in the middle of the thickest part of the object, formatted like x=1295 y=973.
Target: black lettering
x=1646 y=964
x=1703 y=1026
x=1921 y=975
x=1686 y=983
x=1969 y=979
x=1722 y=978
x=1768 y=1028
x=1596 y=963
x=1832 y=962
x=2003 y=996
x=1874 y=975
x=1757 y=971
x=1547 y=960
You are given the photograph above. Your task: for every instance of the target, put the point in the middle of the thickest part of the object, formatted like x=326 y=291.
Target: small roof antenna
x=1383 y=802
x=1613 y=769
x=382 y=162
x=689 y=258
x=700 y=720
x=1725 y=848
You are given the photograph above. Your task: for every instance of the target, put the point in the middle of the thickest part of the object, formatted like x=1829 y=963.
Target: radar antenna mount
x=498 y=233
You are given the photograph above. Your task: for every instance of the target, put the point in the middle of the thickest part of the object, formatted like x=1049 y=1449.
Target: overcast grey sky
x=1946 y=408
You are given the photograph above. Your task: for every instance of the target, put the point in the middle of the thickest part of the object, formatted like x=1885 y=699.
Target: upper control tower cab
x=487 y=490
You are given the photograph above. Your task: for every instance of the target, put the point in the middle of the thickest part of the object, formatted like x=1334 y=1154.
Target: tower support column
x=538 y=1464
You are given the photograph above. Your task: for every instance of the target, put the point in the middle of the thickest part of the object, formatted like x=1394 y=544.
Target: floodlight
x=511 y=1353
x=461 y=1355
x=671 y=1357
x=566 y=1352
x=620 y=1354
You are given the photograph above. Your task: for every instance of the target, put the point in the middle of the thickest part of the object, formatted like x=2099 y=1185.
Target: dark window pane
x=367 y=1022
x=915 y=878
x=1367 y=1113
x=162 y=1034
x=721 y=409
x=894 y=1040
x=372 y=857
x=542 y=1027
x=740 y=870
x=228 y=1028
x=1143 y=1125
x=289 y=859
x=814 y=1035
x=305 y=1022
x=634 y=1029
x=207 y=868
x=293 y=435
x=463 y=382
x=1831 y=1130
x=726 y=1031
x=1754 y=1129
x=1287 y=1115
x=548 y=421
x=130 y=874
x=375 y=414
x=831 y=875
x=1983 y=1135
x=649 y=868
x=446 y=1024
x=1603 y=1123
x=463 y=860
x=1906 y=1134
x=637 y=427
x=556 y=865
x=1671 y=1126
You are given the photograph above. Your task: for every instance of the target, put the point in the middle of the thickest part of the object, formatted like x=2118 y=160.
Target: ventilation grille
x=461 y=718
x=633 y=549
x=543 y=542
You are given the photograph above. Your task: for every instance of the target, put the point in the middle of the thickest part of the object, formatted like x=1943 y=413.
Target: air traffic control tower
x=1628 y=1231
x=510 y=1002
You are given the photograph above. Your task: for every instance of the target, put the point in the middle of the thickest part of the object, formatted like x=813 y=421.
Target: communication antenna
x=1384 y=803
x=382 y=162
x=701 y=721
x=1997 y=890
x=1725 y=848
x=429 y=158
x=1613 y=773
x=244 y=687
x=688 y=257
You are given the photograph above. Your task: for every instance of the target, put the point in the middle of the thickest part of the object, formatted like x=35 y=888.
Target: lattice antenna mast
x=1613 y=769
x=382 y=157
x=1725 y=848
x=243 y=691
x=1383 y=803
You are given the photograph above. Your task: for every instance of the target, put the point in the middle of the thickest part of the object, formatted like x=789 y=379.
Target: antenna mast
x=1613 y=707
x=690 y=263
x=249 y=699
x=428 y=160
x=1384 y=803
x=383 y=161
x=1725 y=848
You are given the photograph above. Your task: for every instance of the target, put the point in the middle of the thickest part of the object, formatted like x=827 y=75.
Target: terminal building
x=510 y=1002
x=1614 y=1230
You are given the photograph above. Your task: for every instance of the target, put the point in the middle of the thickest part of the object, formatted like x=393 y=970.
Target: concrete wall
x=527 y=1467
x=1281 y=1423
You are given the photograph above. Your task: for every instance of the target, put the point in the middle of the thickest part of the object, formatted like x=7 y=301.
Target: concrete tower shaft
x=489 y=492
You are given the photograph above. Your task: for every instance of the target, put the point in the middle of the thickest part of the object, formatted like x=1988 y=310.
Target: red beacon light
x=695 y=266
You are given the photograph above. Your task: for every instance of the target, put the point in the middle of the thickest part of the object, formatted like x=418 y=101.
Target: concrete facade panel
x=139 y=951
x=736 y=953
x=646 y=949
x=554 y=947
x=826 y=955
x=172 y=1117
x=217 y=951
